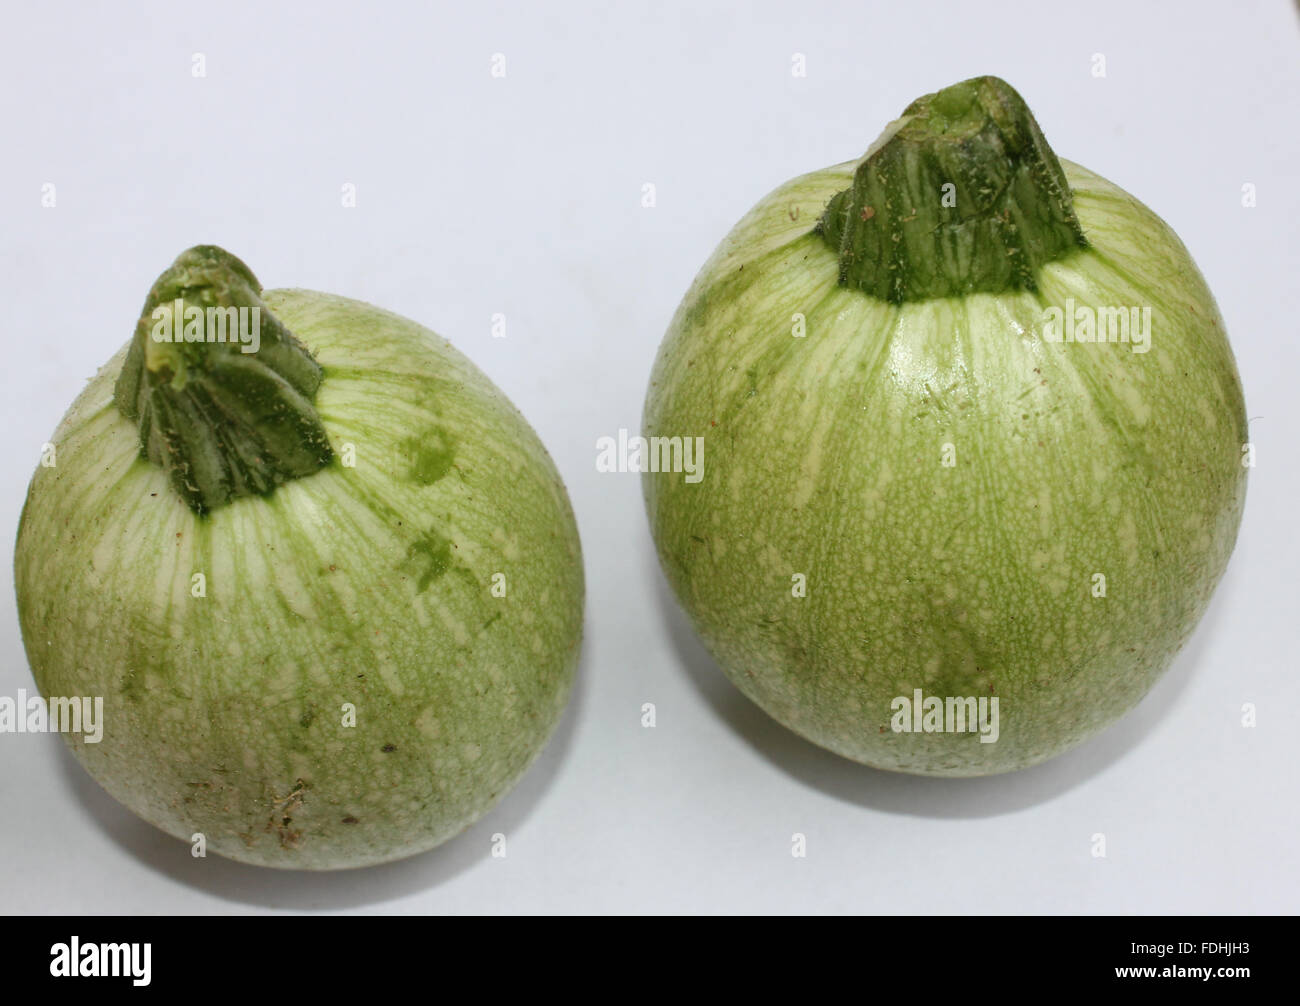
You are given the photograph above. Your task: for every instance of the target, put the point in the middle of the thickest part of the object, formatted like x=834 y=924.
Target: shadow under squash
x=921 y=796
x=336 y=889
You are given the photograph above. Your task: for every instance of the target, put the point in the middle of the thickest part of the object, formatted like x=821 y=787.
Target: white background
x=522 y=196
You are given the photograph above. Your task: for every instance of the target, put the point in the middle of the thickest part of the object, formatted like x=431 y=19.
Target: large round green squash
x=922 y=487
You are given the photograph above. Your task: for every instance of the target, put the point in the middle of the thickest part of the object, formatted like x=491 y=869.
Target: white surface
x=522 y=196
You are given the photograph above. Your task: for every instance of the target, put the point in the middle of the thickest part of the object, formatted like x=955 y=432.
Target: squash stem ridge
x=220 y=389
x=961 y=195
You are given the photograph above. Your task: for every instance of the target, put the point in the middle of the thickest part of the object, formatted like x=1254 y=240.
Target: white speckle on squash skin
x=1137 y=406
x=427 y=722
x=452 y=624
x=812 y=459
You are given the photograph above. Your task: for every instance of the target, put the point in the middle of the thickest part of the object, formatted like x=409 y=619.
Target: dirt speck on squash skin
x=281 y=818
x=290 y=838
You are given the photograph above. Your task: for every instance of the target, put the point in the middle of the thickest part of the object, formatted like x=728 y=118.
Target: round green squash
x=330 y=592
x=923 y=488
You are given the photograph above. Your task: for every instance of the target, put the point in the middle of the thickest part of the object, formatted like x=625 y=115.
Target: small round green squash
x=330 y=591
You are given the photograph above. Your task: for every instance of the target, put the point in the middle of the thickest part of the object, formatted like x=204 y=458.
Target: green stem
x=221 y=391
x=961 y=195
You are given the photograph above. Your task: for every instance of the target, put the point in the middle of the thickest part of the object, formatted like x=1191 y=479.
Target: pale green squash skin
x=224 y=714
x=822 y=457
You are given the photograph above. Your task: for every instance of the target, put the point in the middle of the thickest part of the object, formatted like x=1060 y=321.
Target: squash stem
x=961 y=195
x=220 y=390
